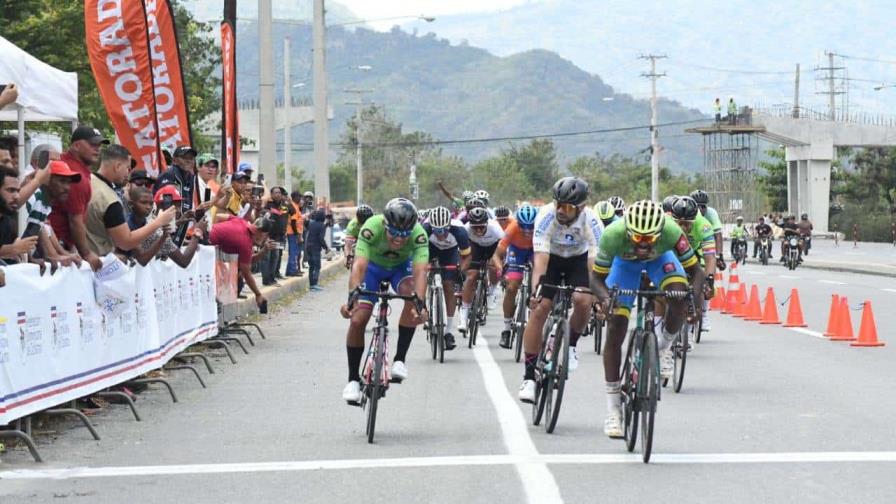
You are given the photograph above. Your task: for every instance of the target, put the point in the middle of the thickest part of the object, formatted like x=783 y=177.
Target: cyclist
x=712 y=216
x=738 y=234
x=565 y=232
x=449 y=244
x=805 y=228
x=484 y=235
x=762 y=230
x=668 y=201
x=475 y=203
x=605 y=213
x=700 y=236
x=502 y=215
x=363 y=213
x=515 y=249
x=422 y=215
x=618 y=205
x=393 y=247
x=644 y=240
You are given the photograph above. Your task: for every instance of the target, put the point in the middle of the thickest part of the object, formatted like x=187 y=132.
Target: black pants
x=313 y=256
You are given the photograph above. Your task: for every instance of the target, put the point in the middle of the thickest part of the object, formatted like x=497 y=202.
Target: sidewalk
x=866 y=258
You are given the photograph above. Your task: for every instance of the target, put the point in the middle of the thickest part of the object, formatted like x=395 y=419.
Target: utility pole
x=831 y=77
x=321 y=126
x=267 y=148
x=359 y=153
x=287 y=120
x=654 y=134
x=796 y=93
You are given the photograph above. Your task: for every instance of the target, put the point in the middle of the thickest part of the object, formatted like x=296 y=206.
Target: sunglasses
x=440 y=230
x=643 y=239
x=398 y=233
x=479 y=227
x=568 y=207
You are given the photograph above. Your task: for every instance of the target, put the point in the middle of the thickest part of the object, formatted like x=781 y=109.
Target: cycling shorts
x=446 y=257
x=626 y=274
x=376 y=274
x=483 y=254
x=515 y=260
x=574 y=270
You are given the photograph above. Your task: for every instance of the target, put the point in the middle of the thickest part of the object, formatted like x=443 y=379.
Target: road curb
x=881 y=271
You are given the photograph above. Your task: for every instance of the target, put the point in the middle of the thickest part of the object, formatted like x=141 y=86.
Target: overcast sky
x=368 y=9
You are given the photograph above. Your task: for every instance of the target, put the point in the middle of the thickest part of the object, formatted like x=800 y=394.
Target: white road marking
x=453 y=461
x=889 y=290
x=803 y=330
x=760 y=273
x=832 y=282
x=538 y=482
x=789 y=277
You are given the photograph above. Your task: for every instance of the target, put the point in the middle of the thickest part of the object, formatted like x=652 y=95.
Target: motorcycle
x=807 y=244
x=740 y=251
x=792 y=253
x=764 y=247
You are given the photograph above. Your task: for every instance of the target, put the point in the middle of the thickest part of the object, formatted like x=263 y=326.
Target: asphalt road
x=767 y=414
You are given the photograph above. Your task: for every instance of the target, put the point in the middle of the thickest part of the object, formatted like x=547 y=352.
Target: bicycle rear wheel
x=559 y=373
x=680 y=355
x=374 y=388
x=519 y=324
x=431 y=329
x=597 y=331
x=629 y=389
x=649 y=393
x=473 y=319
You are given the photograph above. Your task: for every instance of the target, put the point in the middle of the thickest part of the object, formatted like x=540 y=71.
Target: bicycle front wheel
x=649 y=393
x=558 y=374
x=374 y=389
x=630 y=370
x=431 y=326
x=473 y=319
x=440 y=324
x=680 y=354
x=541 y=377
x=519 y=325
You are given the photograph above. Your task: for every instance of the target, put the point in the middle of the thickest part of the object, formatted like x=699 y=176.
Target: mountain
x=459 y=92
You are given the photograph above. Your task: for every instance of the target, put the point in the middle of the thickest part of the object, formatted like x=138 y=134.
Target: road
x=767 y=414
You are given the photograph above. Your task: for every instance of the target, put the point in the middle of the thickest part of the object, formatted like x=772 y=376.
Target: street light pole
x=287 y=120
x=267 y=152
x=359 y=153
x=321 y=126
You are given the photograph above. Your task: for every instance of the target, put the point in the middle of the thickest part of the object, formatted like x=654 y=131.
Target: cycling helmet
x=422 y=214
x=440 y=217
x=668 y=202
x=481 y=194
x=645 y=217
x=604 y=210
x=467 y=196
x=525 y=216
x=476 y=203
x=571 y=190
x=502 y=212
x=685 y=208
x=739 y=218
x=618 y=204
x=700 y=197
x=363 y=213
x=477 y=216
x=400 y=214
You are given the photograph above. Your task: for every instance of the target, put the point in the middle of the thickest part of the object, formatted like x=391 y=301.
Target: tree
x=53 y=31
x=774 y=182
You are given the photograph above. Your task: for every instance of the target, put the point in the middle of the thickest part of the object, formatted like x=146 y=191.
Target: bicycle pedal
x=393 y=380
x=354 y=403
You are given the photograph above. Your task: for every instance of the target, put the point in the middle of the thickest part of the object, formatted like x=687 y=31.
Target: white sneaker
x=613 y=424
x=462 y=320
x=399 y=371
x=667 y=364
x=573 y=358
x=352 y=392
x=706 y=325
x=527 y=391
x=493 y=302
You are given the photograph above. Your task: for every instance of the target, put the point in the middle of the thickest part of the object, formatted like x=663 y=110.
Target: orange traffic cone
x=867 y=329
x=770 y=313
x=833 y=316
x=733 y=278
x=794 y=311
x=740 y=310
x=718 y=301
x=754 y=311
x=844 y=326
x=730 y=302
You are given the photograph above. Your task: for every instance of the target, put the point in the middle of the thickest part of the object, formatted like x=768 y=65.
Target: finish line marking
x=889 y=290
x=832 y=282
x=536 y=461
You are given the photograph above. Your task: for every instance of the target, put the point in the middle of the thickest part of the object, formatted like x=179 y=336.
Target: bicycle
x=476 y=315
x=681 y=346
x=552 y=366
x=641 y=368
x=376 y=377
x=595 y=328
x=435 y=304
x=521 y=314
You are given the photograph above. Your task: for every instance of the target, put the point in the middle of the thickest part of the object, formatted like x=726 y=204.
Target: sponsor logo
x=421 y=239
x=682 y=246
x=366 y=234
x=668 y=268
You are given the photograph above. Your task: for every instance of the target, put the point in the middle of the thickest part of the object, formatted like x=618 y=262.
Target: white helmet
x=440 y=217
x=481 y=194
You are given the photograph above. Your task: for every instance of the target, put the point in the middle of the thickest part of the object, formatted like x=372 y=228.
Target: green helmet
x=645 y=217
x=604 y=210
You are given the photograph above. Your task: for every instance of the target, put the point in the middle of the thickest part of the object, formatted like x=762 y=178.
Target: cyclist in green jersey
x=392 y=247
x=363 y=213
x=643 y=240
x=712 y=216
x=700 y=236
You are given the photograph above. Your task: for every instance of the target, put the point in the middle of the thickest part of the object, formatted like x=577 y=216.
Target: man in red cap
x=54 y=184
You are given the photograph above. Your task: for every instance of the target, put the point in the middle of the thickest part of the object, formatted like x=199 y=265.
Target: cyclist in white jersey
x=566 y=231
x=484 y=234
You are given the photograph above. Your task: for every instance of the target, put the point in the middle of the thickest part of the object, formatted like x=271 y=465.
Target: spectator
x=53 y=186
x=35 y=161
x=236 y=236
x=732 y=111
x=9 y=95
x=6 y=161
x=106 y=224
x=315 y=240
x=717 y=108
x=140 y=178
x=246 y=168
x=159 y=243
x=277 y=209
x=181 y=173
x=11 y=145
x=230 y=198
x=294 y=236
x=206 y=178
x=12 y=248
x=68 y=218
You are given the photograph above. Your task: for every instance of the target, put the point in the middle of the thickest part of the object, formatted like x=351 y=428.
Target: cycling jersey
x=574 y=239
x=515 y=236
x=519 y=250
x=462 y=216
x=616 y=243
x=456 y=237
x=738 y=233
x=701 y=237
x=493 y=234
x=352 y=228
x=373 y=244
x=713 y=217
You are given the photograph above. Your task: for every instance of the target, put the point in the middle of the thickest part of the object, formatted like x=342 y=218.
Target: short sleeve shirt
x=233 y=236
x=615 y=243
x=565 y=240
x=373 y=244
x=76 y=204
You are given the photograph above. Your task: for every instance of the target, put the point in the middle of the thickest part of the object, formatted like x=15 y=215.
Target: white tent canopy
x=45 y=93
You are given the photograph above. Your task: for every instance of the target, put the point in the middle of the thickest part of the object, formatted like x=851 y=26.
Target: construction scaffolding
x=730 y=154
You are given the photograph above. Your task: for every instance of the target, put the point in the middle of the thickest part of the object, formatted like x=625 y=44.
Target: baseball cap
x=184 y=150
x=205 y=158
x=241 y=175
x=140 y=174
x=245 y=167
x=167 y=190
x=90 y=134
x=62 y=169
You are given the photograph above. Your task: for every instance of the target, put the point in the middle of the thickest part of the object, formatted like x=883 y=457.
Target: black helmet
x=571 y=190
x=805 y=216
x=700 y=197
x=668 y=202
x=478 y=216
x=685 y=208
x=476 y=203
x=363 y=213
x=502 y=212
x=400 y=214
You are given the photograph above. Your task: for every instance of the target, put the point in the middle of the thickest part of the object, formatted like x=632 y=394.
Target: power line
x=865 y=58
x=732 y=70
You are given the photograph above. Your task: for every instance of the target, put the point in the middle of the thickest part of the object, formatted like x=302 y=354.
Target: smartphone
x=258 y=190
x=43 y=159
x=208 y=195
x=2 y=88
x=32 y=229
x=227 y=179
x=261 y=179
